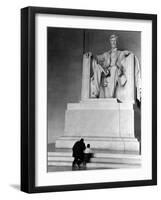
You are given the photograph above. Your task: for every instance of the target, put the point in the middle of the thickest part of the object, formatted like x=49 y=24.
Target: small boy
x=87 y=154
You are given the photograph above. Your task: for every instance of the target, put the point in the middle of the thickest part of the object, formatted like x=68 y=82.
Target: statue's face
x=113 y=43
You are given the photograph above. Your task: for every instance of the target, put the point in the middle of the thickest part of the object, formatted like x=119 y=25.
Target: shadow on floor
x=15 y=186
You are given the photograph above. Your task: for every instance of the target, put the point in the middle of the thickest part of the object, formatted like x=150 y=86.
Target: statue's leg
x=111 y=83
x=106 y=89
x=102 y=93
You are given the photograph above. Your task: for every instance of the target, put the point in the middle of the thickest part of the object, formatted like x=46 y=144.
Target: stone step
x=97 y=155
x=102 y=159
x=98 y=159
x=75 y=138
x=108 y=143
x=96 y=165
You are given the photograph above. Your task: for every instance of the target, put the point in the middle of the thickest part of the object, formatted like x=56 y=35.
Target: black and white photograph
x=89 y=89
x=93 y=99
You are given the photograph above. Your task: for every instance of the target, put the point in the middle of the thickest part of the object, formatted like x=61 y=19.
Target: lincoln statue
x=113 y=74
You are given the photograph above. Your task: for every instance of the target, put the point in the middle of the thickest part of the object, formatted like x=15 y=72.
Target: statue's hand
x=88 y=54
x=120 y=71
x=107 y=72
x=127 y=53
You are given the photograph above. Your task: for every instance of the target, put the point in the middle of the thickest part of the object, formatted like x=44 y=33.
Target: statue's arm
x=127 y=53
x=123 y=55
x=100 y=58
x=88 y=54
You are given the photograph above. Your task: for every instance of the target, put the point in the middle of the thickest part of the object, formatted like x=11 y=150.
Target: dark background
x=65 y=48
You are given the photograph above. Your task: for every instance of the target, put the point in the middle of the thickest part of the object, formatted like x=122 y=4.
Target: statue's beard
x=113 y=46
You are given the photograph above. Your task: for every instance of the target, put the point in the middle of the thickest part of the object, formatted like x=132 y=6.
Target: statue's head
x=113 y=41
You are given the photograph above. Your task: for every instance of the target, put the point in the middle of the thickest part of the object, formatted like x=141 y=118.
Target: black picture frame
x=28 y=170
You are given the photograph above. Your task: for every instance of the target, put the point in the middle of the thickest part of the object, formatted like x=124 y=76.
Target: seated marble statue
x=115 y=74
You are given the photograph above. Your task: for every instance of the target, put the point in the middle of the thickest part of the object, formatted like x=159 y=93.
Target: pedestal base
x=103 y=123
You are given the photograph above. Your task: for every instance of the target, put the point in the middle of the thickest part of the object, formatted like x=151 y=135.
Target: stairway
x=102 y=159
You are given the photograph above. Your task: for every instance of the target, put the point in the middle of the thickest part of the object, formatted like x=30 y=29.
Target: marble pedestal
x=104 y=123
